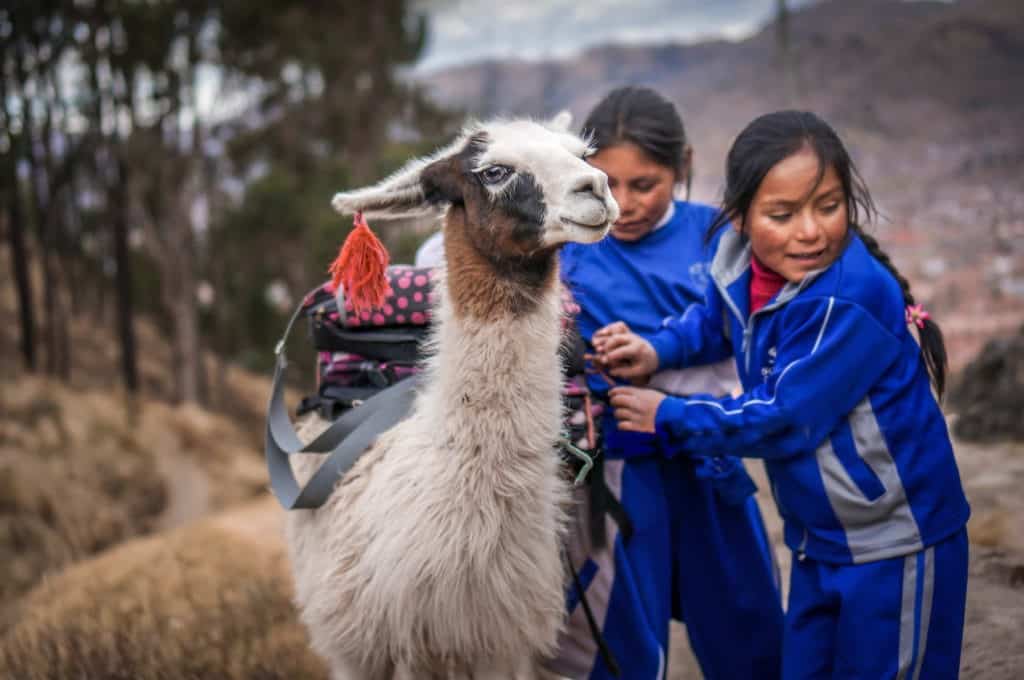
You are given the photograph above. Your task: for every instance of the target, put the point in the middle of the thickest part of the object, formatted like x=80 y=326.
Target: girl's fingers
x=621 y=353
x=612 y=328
x=628 y=371
x=627 y=426
x=634 y=408
x=621 y=396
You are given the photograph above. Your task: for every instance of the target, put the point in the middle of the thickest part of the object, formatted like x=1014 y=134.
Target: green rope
x=588 y=460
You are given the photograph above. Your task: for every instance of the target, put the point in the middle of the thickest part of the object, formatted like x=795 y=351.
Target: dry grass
x=199 y=602
x=84 y=469
x=69 y=487
x=989 y=528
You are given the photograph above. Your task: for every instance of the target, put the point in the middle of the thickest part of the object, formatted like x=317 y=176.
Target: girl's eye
x=643 y=187
x=779 y=217
x=830 y=208
x=494 y=173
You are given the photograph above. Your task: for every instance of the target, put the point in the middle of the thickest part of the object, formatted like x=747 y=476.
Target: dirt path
x=188 y=489
x=262 y=519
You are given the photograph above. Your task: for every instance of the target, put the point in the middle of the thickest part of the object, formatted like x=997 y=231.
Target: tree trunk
x=39 y=217
x=20 y=265
x=16 y=237
x=58 y=290
x=123 y=281
x=182 y=283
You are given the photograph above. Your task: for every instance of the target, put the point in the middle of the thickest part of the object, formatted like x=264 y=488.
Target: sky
x=463 y=31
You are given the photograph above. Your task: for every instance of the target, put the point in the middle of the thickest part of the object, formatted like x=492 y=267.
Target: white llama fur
x=439 y=554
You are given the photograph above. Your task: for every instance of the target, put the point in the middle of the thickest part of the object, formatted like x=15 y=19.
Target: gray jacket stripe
x=906 y=646
x=927 y=591
x=884 y=527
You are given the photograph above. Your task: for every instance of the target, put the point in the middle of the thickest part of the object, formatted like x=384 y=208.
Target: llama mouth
x=583 y=225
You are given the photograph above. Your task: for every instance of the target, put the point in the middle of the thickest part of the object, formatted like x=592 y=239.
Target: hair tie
x=917 y=315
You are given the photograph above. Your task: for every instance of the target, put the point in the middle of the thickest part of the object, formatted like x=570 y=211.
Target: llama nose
x=592 y=183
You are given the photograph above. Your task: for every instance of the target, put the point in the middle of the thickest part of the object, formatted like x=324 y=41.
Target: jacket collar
x=730 y=270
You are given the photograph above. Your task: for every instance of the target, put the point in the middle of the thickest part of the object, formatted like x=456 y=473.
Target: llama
x=438 y=555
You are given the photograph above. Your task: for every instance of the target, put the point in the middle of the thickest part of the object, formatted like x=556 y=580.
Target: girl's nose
x=624 y=198
x=807 y=227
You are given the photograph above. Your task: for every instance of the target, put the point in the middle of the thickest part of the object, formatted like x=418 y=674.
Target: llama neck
x=489 y=287
x=497 y=371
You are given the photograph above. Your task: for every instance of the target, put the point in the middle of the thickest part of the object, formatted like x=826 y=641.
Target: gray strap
x=344 y=441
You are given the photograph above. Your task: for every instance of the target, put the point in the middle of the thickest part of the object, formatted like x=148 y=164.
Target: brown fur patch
x=508 y=280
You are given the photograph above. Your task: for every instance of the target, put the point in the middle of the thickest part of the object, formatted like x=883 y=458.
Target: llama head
x=524 y=186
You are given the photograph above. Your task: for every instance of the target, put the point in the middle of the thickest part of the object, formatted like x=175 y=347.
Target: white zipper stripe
x=821 y=333
x=768 y=402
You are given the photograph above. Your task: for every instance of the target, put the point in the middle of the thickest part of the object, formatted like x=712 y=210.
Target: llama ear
x=561 y=121
x=440 y=182
x=403 y=193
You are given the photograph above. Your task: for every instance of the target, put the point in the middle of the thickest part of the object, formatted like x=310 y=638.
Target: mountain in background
x=885 y=67
x=928 y=95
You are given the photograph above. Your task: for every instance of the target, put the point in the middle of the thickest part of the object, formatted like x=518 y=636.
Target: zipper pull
x=747 y=332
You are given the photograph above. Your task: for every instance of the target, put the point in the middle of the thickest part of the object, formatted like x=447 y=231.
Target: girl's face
x=793 y=226
x=641 y=187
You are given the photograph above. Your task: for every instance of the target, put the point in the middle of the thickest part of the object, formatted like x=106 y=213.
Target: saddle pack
x=366 y=369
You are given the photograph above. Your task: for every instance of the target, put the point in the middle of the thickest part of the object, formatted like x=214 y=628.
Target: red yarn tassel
x=361 y=267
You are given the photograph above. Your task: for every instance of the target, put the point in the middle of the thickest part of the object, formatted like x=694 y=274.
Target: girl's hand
x=635 y=408
x=624 y=353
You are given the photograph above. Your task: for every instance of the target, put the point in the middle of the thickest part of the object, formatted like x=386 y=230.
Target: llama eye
x=495 y=173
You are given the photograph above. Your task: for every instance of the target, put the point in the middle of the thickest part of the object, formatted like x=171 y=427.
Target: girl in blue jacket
x=681 y=539
x=837 y=401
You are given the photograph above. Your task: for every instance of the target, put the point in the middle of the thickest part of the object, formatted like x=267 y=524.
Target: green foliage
x=307 y=101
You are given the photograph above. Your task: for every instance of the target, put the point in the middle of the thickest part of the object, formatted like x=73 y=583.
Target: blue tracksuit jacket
x=698 y=550
x=837 y=400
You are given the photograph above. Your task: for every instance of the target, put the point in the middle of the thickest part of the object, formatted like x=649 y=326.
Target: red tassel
x=361 y=268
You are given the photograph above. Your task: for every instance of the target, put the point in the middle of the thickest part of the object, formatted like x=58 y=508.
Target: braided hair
x=642 y=117
x=774 y=137
x=933 y=345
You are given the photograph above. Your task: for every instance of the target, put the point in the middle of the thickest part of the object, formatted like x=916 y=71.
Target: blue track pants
x=896 y=618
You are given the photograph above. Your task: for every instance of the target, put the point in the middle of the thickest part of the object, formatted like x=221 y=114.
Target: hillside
x=83 y=467
x=926 y=94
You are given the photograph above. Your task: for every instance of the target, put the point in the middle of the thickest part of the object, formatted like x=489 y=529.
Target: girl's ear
x=684 y=174
x=737 y=222
x=685 y=165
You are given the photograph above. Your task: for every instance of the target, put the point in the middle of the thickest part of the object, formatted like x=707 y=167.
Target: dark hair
x=643 y=117
x=774 y=137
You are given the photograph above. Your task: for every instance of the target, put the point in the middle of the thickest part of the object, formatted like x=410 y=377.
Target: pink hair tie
x=917 y=315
